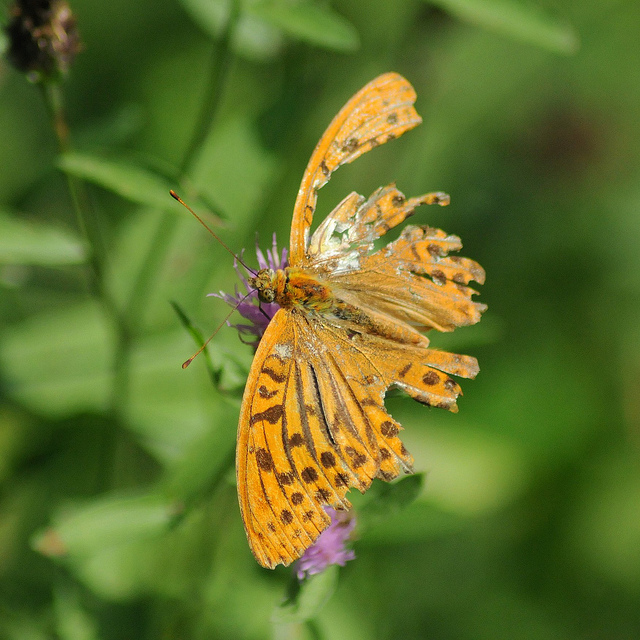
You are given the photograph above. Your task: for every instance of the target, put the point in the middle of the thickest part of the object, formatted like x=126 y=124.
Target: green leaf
x=111 y=521
x=309 y=599
x=37 y=243
x=72 y=621
x=386 y=499
x=58 y=362
x=519 y=19
x=204 y=465
x=128 y=180
x=210 y=15
x=309 y=22
x=196 y=334
x=252 y=38
x=226 y=372
x=4 y=42
x=605 y=531
x=235 y=170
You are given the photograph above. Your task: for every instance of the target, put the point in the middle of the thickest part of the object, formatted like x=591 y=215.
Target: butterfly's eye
x=267 y=295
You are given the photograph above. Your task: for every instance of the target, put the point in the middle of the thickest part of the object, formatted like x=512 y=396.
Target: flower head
x=259 y=314
x=43 y=38
x=329 y=548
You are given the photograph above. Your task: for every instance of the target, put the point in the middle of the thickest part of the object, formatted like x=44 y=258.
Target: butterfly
x=350 y=325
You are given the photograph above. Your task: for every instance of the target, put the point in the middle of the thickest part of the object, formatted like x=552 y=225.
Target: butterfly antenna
x=186 y=363
x=175 y=196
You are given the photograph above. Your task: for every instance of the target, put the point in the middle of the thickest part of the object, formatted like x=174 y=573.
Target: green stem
x=221 y=57
x=89 y=228
x=219 y=67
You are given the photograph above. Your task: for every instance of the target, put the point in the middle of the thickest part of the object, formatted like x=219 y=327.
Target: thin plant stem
x=88 y=226
x=221 y=57
x=219 y=67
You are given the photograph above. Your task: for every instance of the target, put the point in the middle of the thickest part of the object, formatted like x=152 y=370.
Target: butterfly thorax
x=292 y=287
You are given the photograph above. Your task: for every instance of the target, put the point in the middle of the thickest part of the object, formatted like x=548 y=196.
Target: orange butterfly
x=313 y=422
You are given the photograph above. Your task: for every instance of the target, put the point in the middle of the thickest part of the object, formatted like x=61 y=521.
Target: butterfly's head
x=264 y=282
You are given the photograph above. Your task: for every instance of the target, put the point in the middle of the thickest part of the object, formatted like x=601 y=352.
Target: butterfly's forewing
x=381 y=111
x=312 y=424
x=267 y=482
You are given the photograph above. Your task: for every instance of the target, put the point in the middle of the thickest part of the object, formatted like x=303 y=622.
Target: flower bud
x=43 y=39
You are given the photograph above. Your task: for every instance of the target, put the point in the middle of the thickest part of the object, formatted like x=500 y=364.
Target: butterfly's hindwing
x=350 y=230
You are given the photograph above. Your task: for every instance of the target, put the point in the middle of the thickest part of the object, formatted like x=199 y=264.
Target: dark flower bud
x=43 y=39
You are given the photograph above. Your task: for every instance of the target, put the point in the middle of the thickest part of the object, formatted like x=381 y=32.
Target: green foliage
x=519 y=19
x=57 y=362
x=118 y=515
x=124 y=178
x=313 y=23
x=36 y=243
x=307 y=599
x=384 y=501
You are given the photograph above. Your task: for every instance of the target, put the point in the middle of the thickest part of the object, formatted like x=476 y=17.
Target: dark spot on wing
x=387 y=476
x=403 y=372
x=357 y=458
x=309 y=474
x=263 y=392
x=430 y=378
x=327 y=459
x=341 y=480
x=264 y=459
x=286 y=478
x=271 y=415
x=274 y=375
x=388 y=429
x=450 y=384
x=350 y=145
x=438 y=277
x=435 y=250
x=296 y=440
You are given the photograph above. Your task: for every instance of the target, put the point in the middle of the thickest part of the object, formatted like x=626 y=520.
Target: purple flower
x=258 y=314
x=329 y=548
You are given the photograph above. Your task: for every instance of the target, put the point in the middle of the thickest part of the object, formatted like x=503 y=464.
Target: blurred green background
x=118 y=515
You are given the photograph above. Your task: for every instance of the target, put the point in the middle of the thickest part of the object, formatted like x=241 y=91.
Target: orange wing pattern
x=316 y=425
x=381 y=111
x=351 y=325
